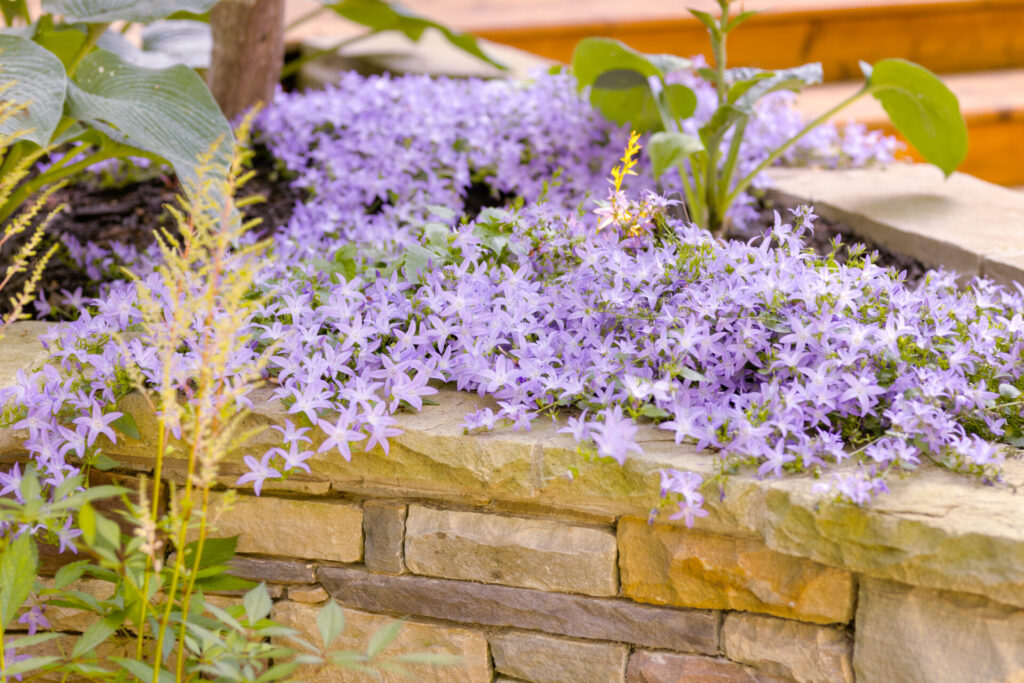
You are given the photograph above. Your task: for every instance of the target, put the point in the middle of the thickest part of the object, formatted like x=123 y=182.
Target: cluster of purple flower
x=766 y=354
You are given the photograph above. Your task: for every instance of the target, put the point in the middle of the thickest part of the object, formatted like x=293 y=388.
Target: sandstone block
x=384 y=531
x=668 y=565
x=910 y=634
x=646 y=666
x=272 y=571
x=309 y=595
x=556 y=613
x=470 y=646
x=513 y=551
x=547 y=659
x=307 y=529
x=790 y=649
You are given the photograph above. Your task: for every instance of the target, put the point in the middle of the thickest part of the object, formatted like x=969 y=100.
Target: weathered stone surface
x=780 y=647
x=513 y=551
x=670 y=566
x=907 y=634
x=646 y=666
x=556 y=613
x=22 y=349
x=310 y=595
x=546 y=659
x=68 y=618
x=470 y=646
x=273 y=571
x=384 y=532
x=307 y=529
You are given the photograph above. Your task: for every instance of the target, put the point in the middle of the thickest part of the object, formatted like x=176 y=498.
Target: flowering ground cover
x=557 y=298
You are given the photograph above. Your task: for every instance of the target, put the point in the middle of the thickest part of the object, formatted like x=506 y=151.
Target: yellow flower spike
x=628 y=160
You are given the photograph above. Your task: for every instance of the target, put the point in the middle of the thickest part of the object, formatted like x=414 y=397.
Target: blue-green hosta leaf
x=750 y=85
x=105 y=11
x=168 y=112
x=922 y=109
x=164 y=44
x=669 y=149
x=36 y=78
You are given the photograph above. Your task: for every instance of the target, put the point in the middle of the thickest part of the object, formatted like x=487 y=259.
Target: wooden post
x=248 y=53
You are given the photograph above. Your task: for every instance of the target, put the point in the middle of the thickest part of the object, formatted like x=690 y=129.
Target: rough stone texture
x=273 y=571
x=384 y=532
x=22 y=351
x=557 y=613
x=68 y=618
x=959 y=222
x=546 y=659
x=307 y=529
x=470 y=646
x=907 y=634
x=513 y=551
x=780 y=647
x=646 y=666
x=311 y=595
x=670 y=566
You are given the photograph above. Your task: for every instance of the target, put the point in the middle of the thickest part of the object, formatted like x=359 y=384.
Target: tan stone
x=473 y=667
x=647 y=666
x=384 y=531
x=70 y=619
x=310 y=595
x=671 y=566
x=907 y=634
x=308 y=529
x=791 y=649
x=22 y=349
x=513 y=551
x=547 y=659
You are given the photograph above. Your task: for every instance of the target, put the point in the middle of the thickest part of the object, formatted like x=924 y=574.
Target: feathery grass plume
x=13 y=170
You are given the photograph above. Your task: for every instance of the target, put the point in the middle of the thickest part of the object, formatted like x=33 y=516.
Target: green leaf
x=709 y=22
x=384 y=636
x=620 y=79
x=181 y=41
x=35 y=78
x=740 y=18
x=142 y=670
x=257 y=604
x=667 y=150
x=102 y=462
x=594 y=56
x=654 y=412
x=18 y=566
x=31 y=664
x=64 y=42
x=330 y=621
x=168 y=112
x=923 y=110
x=29 y=641
x=13 y=9
x=635 y=106
x=682 y=100
x=97 y=633
x=215 y=551
x=224 y=582
x=105 y=11
x=750 y=85
x=87 y=523
x=108 y=532
x=69 y=573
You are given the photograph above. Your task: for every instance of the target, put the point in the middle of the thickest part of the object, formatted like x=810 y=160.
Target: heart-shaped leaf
x=105 y=11
x=670 y=149
x=31 y=76
x=923 y=110
x=681 y=99
x=594 y=56
x=168 y=112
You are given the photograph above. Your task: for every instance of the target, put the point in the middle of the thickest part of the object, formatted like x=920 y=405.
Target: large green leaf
x=670 y=149
x=36 y=78
x=594 y=56
x=105 y=11
x=922 y=109
x=168 y=112
x=750 y=85
x=378 y=15
x=18 y=566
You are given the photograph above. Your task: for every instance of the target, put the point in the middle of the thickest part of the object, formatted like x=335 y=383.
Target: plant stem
x=93 y=34
x=781 y=149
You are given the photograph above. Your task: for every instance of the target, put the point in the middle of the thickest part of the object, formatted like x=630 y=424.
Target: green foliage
x=629 y=87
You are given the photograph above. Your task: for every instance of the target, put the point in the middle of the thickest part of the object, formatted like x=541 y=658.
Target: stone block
x=667 y=565
x=272 y=571
x=646 y=666
x=523 y=608
x=309 y=595
x=512 y=551
x=911 y=634
x=789 y=649
x=384 y=533
x=306 y=529
x=547 y=659
x=471 y=647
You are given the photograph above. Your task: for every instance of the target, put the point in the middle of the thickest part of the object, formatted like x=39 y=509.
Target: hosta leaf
x=923 y=110
x=185 y=42
x=105 y=11
x=669 y=149
x=168 y=112
x=36 y=78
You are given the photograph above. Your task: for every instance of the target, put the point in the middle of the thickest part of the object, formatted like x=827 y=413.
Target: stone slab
x=273 y=571
x=907 y=634
x=789 y=649
x=384 y=536
x=523 y=608
x=315 y=594
x=647 y=666
x=512 y=551
x=306 y=529
x=547 y=659
x=474 y=664
x=666 y=565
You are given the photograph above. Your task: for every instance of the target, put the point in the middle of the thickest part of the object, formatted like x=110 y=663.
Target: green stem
x=294 y=65
x=93 y=34
x=19 y=196
x=730 y=160
x=779 y=151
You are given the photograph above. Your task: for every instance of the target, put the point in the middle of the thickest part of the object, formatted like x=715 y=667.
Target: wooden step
x=993 y=106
